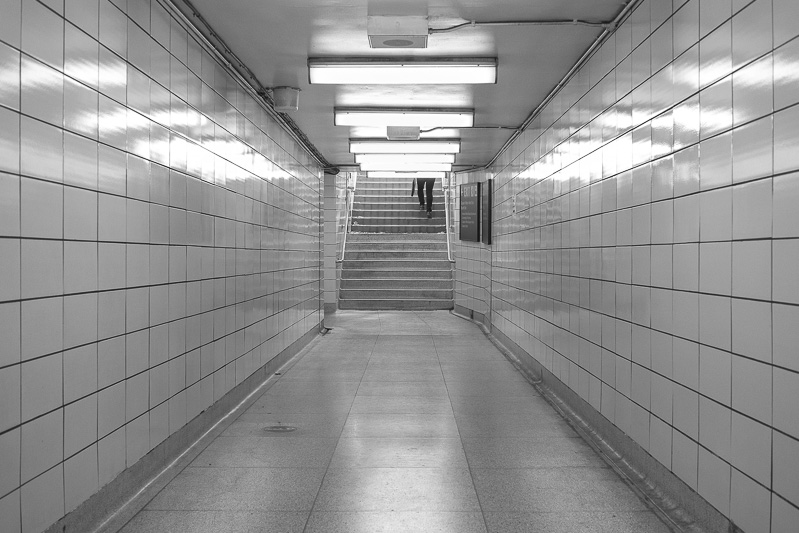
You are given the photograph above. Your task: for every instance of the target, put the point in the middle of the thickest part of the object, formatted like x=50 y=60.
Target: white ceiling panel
x=274 y=38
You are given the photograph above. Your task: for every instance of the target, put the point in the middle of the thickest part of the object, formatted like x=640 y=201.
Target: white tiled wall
x=160 y=240
x=652 y=261
x=473 y=260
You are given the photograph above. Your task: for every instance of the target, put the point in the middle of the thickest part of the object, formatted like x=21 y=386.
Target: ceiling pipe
x=608 y=31
x=244 y=75
x=474 y=23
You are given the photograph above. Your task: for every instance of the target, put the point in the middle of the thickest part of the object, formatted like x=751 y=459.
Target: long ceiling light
x=406 y=71
x=382 y=146
x=390 y=175
x=423 y=118
x=406 y=167
x=404 y=158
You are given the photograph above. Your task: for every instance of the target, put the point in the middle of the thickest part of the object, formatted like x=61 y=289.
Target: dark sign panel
x=470 y=212
x=487 y=194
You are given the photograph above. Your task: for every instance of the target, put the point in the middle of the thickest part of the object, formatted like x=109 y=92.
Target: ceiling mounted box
x=286 y=98
x=397 y=31
x=403 y=133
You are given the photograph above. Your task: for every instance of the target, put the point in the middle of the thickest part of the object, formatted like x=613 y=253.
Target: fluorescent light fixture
x=404 y=158
x=382 y=146
x=405 y=71
x=424 y=118
x=406 y=167
x=388 y=175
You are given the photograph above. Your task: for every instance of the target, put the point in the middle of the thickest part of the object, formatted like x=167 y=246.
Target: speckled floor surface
x=405 y=422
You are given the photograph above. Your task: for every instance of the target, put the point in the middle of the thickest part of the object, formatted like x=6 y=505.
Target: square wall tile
x=43 y=34
x=715 y=325
x=9 y=461
x=785 y=75
x=752 y=30
x=43 y=500
x=41 y=386
x=784 y=516
x=80 y=161
x=786 y=394
x=715 y=267
x=685 y=459
x=42 y=209
x=42 y=444
x=751 y=209
x=10 y=387
x=786 y=137
x=80 y=266
x=715 y=212
x=751 y=329
x=751 y=448
x=80 y=424
x=785 y=279
x=10 y=333
x=9 y=205
x=42 y=268
x=111 y=410
x=686 y=267
x=42 y=327
x=786 y=449
x=786 y=198
x=751 y=269
x=751 y=388
x=80 y=319
x=786 y=336
x=686 y=219
x=753 y=154
x=714 y=480
x=752 y=91
x=9 y=140
x=750 y=503
x=41 y=150
x=80 y=372
x=80 y=214
x=10 y=266
x=80 y=478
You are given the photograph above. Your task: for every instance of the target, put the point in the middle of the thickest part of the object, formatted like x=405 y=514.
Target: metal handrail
x=447 y=193
x=348 y=206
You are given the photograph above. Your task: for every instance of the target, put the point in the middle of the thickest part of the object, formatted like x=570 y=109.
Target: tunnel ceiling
x=274 y=38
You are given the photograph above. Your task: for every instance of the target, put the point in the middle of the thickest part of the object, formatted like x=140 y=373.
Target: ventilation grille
x=397 y=31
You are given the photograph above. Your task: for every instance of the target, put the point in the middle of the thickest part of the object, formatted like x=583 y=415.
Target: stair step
x=411 y=255
x=395 y=238
x=396 y=247
x=398 y=283
x=397 y=305
x=392 y=274
x=421 y=264
x=395 y=294
x=406 y=228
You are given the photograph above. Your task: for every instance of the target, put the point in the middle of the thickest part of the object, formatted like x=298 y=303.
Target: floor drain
x=280 y=429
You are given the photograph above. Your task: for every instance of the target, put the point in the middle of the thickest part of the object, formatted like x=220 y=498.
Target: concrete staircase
x=386 y=206
x=396 y=271
x=396 y=258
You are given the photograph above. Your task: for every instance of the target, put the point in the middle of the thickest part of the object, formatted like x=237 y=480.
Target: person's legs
x=420 y=192
x=429 y=187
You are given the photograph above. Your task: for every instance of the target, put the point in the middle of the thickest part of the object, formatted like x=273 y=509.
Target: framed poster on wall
x=470 y=212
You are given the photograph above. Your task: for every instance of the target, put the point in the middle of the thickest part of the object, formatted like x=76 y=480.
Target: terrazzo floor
x=398 y=421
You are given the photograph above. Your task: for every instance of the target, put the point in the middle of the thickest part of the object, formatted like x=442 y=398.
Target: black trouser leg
x=420 y=190
x=429 y=189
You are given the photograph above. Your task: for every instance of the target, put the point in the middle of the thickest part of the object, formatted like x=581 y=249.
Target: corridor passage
x=405 y=421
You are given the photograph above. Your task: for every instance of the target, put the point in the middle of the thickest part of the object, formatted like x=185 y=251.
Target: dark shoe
x=429 y=214
x=421 y=207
